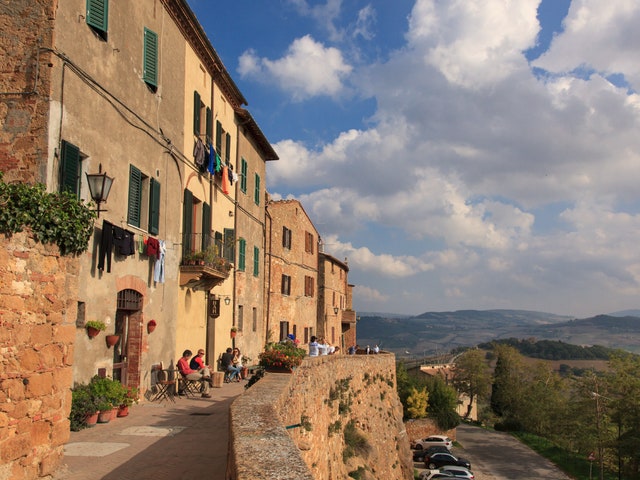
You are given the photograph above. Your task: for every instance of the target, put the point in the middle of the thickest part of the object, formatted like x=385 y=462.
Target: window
x=70 y=159
x=308 y=332
x=242 y=254
x=285 y=285
x=144 y=201
x=256 y=261
x=243 y=175
x=284 y=330
x=150 y=58
x=240 y=317
x=229 y=245
x=254 y=319
x=333 y=335
x=203 y=130
x=256 y=190
x=98 y=16
x=223 y=150
x=308 y=242
x=308 y=286
x=286 y=238
x=196 y=224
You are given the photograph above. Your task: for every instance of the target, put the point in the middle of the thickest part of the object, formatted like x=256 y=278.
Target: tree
x=443 y=402
x=472 y=377
x=507 y=391
x=417 y=403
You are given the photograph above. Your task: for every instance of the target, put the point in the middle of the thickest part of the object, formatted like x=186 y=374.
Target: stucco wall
x=37 y=330
x=326 y=393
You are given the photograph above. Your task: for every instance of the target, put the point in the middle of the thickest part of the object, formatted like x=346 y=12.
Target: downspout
x=267 y=271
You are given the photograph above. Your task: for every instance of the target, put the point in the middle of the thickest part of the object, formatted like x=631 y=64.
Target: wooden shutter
x=243 y=176
x=227 y=151
x=154 y=207
x=187 y=222
x=206 y=225
x=98 y=14
x=256 y=192
x=135 y=196
x=150 y=56
x=70 y=168
x=196 y=113
x=209 y=126
x=242 y=253
x=218 y=137
x=229 y=244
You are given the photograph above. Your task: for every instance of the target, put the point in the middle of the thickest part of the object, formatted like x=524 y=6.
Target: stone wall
x=37 y=331
x=295 y=426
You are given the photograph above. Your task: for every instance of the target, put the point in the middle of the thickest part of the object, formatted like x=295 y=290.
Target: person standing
x=313 y=347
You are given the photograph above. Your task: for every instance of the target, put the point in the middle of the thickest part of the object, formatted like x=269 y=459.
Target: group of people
x=193 y=368
x=318 y=348
x=368 y=350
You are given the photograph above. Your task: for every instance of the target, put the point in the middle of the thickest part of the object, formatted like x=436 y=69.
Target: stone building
x=336 y=318
x=292 y=276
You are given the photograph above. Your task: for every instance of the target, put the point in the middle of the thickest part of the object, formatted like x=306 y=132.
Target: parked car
x=434 y=474
x=440 y=459
x=441 y=440
x=418 y=455
x=458 y=472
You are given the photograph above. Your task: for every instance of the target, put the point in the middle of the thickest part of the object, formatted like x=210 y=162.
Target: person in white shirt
x=313 y=347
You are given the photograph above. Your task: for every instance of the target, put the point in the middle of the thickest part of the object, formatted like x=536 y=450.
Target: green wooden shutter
x=196 y=113
x=256 y=191
x=70 y=168
x=256 y=261
x=98 y=14
x=206 y=226
x=242 y=254
x=150 y=56
x=243 y=176
x=227 y=151
x=218 y=137
x=135 y=196
x=209 y=126
x=154 y=207
x=187 y=222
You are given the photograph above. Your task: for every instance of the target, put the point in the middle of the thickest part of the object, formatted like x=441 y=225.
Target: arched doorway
x=126 y=354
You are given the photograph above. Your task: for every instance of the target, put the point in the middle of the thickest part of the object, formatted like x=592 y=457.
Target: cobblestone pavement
x=157 y=440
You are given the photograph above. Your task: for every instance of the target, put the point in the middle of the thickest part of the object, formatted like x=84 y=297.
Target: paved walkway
x=182 y=440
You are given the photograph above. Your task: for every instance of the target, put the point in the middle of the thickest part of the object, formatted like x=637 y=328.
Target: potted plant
x=84 y=411
x=112 y=340
x=94 y=327
x=109 y=395
x=281 y=357
x=130 y=397
x=234 y=331
x=151 y=326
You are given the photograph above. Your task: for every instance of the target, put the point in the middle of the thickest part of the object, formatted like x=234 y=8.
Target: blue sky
x=459 y=153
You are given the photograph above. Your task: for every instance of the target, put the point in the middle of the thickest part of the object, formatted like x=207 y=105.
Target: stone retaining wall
x=295 y=426
x=37 y=332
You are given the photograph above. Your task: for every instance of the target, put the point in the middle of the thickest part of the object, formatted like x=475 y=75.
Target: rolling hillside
x=437 y=332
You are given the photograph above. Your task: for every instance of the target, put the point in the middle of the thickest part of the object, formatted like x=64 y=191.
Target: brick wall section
x=25 y=84
x=329 y=391
x=37 y=331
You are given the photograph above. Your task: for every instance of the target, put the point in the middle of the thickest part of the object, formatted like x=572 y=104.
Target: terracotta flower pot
x=105 y=416
x=91 y=419
x=123 y=410
x=92 y=332
x=233 y=333
x=151 y=326
x=112 y=340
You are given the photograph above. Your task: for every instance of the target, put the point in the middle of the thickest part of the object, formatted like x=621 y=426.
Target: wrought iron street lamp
x=99 y=187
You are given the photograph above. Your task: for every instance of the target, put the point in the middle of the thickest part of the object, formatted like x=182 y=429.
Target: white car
x=440 y=440
x=458 y=472
x=435 y=474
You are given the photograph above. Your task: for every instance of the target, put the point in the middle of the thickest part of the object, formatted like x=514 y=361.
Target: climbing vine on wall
x=57 y=217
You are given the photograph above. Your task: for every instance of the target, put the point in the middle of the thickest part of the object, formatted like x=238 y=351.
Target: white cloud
x=308 y=69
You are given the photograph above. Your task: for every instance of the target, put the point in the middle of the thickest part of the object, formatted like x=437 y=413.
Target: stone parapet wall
x=294 y=426
x=37 y=332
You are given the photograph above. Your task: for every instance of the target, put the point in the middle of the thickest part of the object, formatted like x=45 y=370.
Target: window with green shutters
x=98 y=16
x=242 y=254
x=197 y=107
x=256 y=261
x=229 y=244
x=143 y=209
x=256 y=190
x=70 y=168
x=243 y=175
x=150 y=58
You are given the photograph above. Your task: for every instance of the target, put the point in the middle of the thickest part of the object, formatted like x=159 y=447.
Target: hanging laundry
x=106 y=246
x=218 y=163
x=153 y=247
x=230 y=173
x=198 y=153
x=123 y=241
x=212 y=160
x=158 y=267
x=225 y=181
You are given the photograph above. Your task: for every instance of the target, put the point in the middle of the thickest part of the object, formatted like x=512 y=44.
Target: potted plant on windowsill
x=94 y=327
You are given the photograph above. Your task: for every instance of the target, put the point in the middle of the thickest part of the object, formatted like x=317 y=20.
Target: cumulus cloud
x=308 y=69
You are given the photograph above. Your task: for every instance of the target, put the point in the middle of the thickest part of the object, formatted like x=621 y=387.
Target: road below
x=499 y=456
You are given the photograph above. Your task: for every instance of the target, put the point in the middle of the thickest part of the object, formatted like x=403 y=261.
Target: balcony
x=349 y=316
x=202 y=266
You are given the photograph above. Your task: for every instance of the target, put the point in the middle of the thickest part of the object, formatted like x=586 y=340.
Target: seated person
x=189 y=373
x=227 y=365
x=237 y=362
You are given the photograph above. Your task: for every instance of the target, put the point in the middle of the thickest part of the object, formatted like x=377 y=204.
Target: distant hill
x=436 y=332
